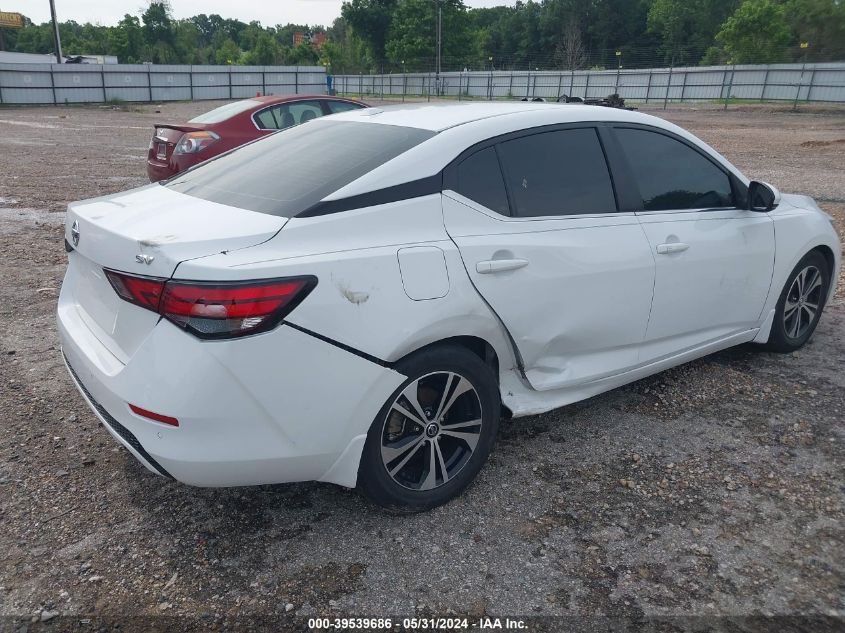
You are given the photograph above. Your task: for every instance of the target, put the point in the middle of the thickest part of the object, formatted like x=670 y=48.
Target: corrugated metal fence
x=774 y=82
x=82 y=83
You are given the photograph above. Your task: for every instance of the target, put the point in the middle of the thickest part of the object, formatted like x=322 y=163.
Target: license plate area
x=161 y=151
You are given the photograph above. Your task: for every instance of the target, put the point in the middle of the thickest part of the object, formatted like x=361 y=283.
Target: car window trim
x=396 y=193
x=450 y=171
x=457 y=196
x=696 y=210
x=738 y=190
x=508 y=193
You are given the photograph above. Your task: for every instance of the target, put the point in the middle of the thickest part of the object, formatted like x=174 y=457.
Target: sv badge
x=144 y=259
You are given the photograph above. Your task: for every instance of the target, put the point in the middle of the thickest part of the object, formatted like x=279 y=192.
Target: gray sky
x=268 y=12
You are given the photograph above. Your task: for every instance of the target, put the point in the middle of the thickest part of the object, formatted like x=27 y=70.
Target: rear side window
x=672 y=175
x=479 y=178
x=285 y=115
x=341 y=106
x=287 y=172
x=557 y=173
x=226 y=111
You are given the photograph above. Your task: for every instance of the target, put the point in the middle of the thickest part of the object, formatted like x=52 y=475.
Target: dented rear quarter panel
x=354 y=257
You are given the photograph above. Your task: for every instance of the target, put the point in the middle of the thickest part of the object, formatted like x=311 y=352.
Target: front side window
x=557 y=173
x=288 y=172
x=479 y=178
x=672 y=175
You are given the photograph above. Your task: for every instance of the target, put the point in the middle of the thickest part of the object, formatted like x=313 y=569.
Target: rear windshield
x=225 y=111
x=291 y=170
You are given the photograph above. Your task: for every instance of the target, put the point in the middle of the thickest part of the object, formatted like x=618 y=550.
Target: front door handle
x=499 y=265
x=673 y=247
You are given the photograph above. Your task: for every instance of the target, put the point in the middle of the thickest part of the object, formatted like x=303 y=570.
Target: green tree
x=266 y=51
x=126 y=40
x=413 y=35
x=687 y=27
x=757 y=32
x=158 y=32
x=34 y=38
x=304 y=54
x=371 y=20
x=187 y=43
x=821 y=24
x=228 y=53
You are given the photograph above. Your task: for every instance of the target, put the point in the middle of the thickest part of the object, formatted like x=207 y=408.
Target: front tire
x=434 y=433
x=800 y=304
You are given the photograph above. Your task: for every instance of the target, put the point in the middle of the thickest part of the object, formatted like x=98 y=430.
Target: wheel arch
x=830 y=258
x=769 y=311
x=479 y=346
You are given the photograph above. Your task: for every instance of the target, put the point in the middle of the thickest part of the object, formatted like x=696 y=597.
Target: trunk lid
x=146 y=232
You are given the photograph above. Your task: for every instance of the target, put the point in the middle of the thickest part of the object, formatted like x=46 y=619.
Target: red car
x=174 y=148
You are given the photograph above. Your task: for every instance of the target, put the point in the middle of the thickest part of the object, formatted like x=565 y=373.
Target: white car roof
x=459 y=125
x=442 y=116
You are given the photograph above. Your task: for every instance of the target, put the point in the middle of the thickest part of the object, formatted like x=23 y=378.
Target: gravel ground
x=713 y=489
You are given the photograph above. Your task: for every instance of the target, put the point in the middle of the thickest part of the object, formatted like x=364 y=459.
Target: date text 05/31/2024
x=418 y=624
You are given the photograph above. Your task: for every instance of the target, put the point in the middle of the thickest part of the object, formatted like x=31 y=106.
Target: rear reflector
x=164 y=419
x=215 y=310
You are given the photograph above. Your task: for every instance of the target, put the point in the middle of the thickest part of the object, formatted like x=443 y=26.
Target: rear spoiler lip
x=180 y=128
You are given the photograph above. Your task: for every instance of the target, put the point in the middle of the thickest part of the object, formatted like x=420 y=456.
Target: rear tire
x=800 y=304
x=434 y=433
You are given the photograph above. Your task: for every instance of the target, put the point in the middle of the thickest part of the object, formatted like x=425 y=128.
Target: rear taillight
x=215 y=309
x=193 y=142
x=142 y=291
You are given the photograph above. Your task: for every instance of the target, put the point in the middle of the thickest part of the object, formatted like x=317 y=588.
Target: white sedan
x=360 y=299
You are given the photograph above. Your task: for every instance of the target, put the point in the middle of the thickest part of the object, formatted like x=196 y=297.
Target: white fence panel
x=777 y=82
x=66 y=83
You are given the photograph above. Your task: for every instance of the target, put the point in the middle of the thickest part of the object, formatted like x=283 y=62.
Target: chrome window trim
x=457 y=197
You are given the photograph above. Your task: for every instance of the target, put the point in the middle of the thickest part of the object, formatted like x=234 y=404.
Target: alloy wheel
x=431 y=430
x=802 y=302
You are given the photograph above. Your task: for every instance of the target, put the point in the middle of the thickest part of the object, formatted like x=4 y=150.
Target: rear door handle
x=673 y=247
x=499 y=265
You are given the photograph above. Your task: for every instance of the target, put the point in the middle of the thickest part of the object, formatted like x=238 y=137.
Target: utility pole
x=439 y=42
x=56 y=40
x=618 y=70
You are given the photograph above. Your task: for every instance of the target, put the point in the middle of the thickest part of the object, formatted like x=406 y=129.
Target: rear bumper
x=159 y=171
x=118 y=431
x=277 y=407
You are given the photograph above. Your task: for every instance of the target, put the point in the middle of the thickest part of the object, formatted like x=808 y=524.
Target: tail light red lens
x=193 y=142
x=143 y=291
x=212 y=309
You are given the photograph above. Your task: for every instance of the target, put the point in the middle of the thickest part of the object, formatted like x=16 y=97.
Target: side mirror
x=762 y=196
